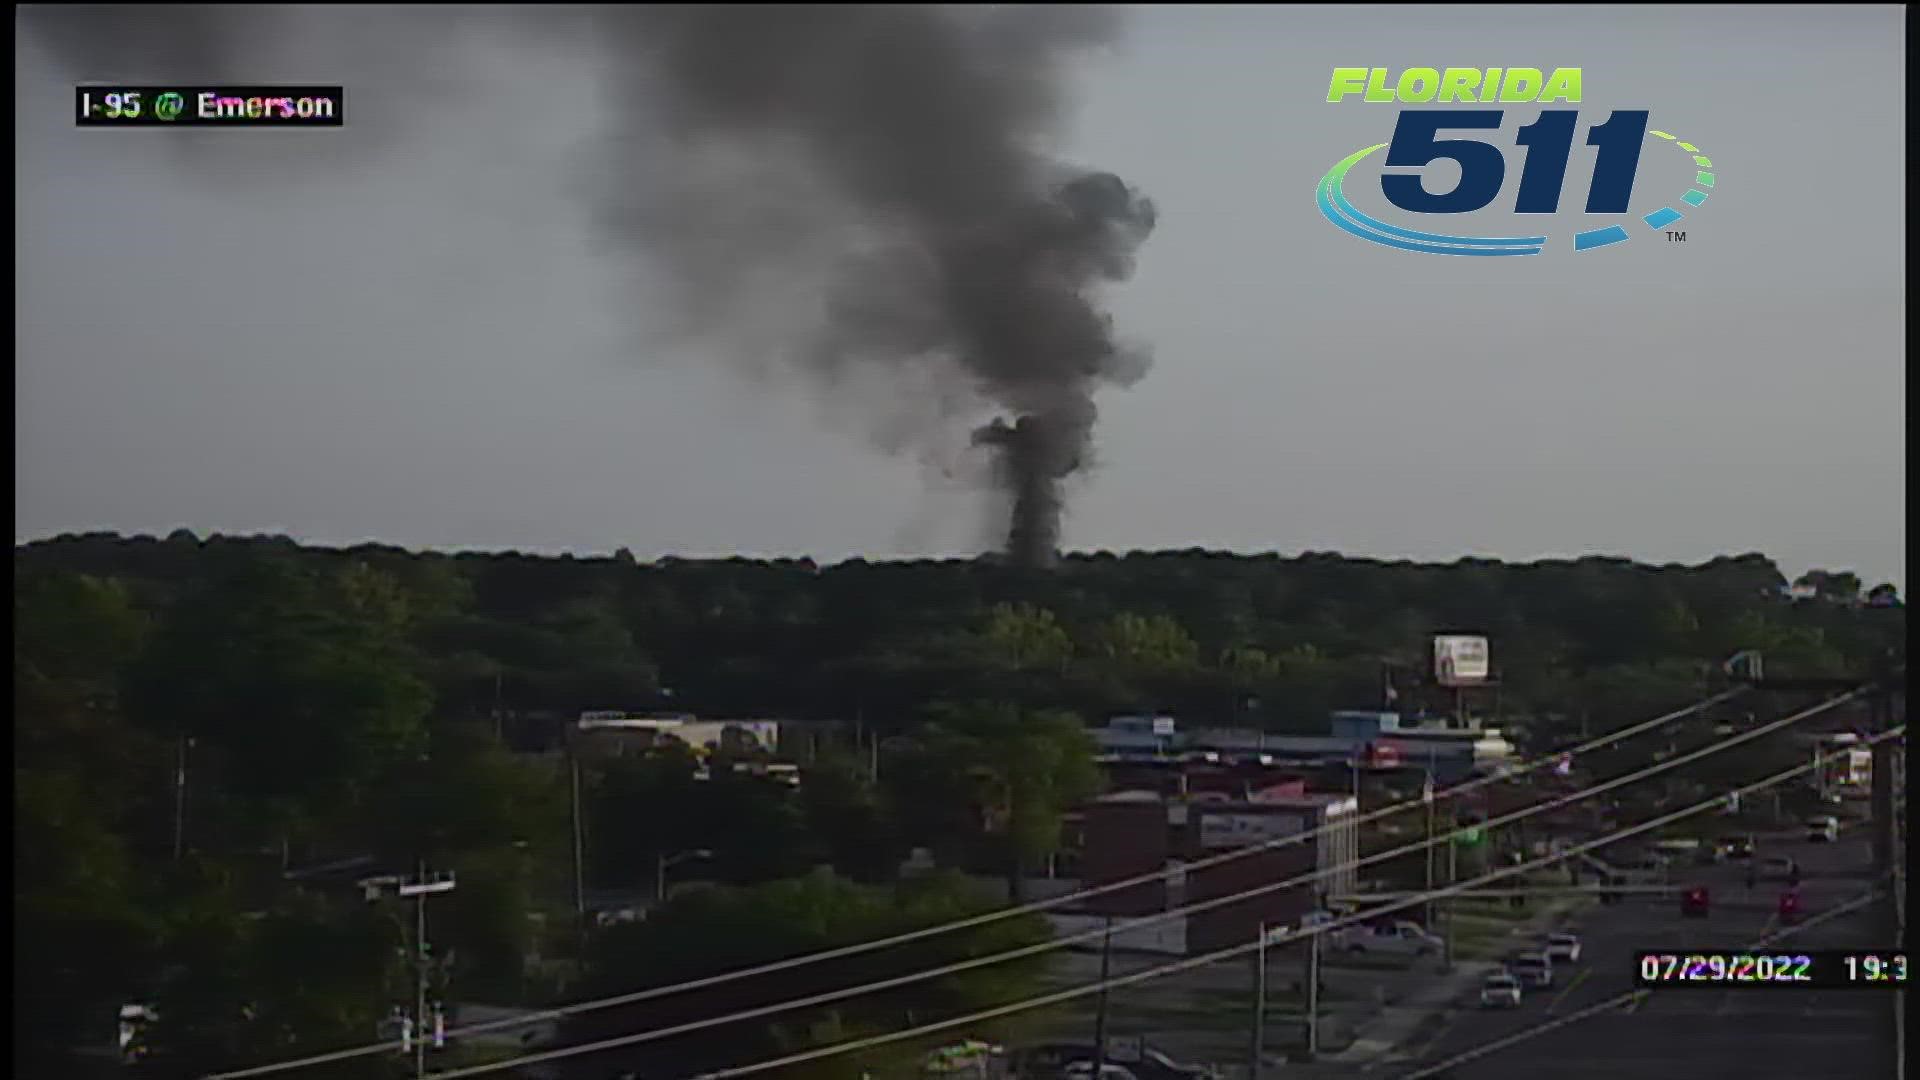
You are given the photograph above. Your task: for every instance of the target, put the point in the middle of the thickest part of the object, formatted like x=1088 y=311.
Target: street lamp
x=665 y=860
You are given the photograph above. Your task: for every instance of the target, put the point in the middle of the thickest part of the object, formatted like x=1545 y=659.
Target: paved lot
x=1704 y=1034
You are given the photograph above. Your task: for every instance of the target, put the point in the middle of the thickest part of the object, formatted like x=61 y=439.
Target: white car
x=1562 y=948
x=1083 y=1070
x=1823 y=830
x=1401 y=938
x=1500 y=991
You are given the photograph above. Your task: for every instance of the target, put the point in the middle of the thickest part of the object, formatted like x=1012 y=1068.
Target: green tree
x=1022 y=637
x=300 y=686
x=848 y=818
x=83 y=933
x=84 y=784
x=1151 y=643
x=705 y=932
x=239 y=989
x=1841 y=587
x=1019 y=771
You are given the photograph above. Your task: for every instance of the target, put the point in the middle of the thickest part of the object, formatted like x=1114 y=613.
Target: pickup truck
x=1399 y=939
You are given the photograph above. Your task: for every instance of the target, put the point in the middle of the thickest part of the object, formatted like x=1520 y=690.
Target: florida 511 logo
x=1480 y=142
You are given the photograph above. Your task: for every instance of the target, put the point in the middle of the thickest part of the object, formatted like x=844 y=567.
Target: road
x=1704 y=1033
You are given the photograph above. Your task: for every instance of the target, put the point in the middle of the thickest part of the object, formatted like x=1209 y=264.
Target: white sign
x=1459 y=660
x=1244 y=830
x=1163 y=725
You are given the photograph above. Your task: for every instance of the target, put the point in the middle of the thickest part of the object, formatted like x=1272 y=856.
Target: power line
x=1627 y=998
x=1666 y=819
x=986 y=918
x=1125 y=980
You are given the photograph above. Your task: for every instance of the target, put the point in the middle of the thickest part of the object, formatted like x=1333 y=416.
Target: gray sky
x=428 y=346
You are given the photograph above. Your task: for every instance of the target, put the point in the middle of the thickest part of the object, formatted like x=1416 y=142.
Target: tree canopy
x=202 y=727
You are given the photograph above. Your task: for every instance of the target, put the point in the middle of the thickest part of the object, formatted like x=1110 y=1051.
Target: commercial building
x=1378 y=740
x=1131 y=834
x=1217 y=828
x=648 y=729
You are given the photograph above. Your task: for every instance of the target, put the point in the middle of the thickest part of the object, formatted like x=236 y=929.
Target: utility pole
x=420 y=981
x=1313 y=996
x=1453 y=875
x=1426 y=796
x=1882 y=789
x=579 y=853
x=180 y=799
x=1259 y=1004
x=1100 y=1009
x=1899 y=885
x=1886 y=855
x=1887 y=678
x=499 y=713
x=417 y=889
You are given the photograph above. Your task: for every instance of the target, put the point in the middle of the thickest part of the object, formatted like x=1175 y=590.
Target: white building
x=701 y=735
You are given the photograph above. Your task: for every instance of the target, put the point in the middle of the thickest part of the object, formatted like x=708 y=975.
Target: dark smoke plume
x=868 y=188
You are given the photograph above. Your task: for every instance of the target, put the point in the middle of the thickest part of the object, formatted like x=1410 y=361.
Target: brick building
x=1217 y=828
x=1133 y=833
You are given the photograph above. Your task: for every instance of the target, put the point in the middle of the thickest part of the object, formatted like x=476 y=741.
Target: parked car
x=1083 y=1070
x=1399 y=938
x=1531 y=968
x=1695 y=901
x=1563 y=948
x=1823 y=830
x=1316 y=918
x=1049 y=1059
x=1500 y=991
x=1154 y=1065
x=1063 y=1059
x=1778 y=868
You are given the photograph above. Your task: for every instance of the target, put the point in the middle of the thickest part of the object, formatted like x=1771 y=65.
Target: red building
x=1218 y=828
x=1136 y=833
x=1125 y=835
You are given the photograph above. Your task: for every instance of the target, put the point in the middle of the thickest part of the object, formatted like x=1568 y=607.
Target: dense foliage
x=195 y=721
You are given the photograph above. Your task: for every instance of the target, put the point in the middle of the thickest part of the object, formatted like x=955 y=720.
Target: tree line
x=198 y=719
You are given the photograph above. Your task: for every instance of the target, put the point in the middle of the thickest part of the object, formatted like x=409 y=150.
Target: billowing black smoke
x=883 y=167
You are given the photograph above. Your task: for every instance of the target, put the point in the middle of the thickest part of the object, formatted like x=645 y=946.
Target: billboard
x=1459 y=659
x=1246 y=830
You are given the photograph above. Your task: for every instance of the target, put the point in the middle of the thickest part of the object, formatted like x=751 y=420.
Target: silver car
x=1500 y=991
x=1562 y=948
